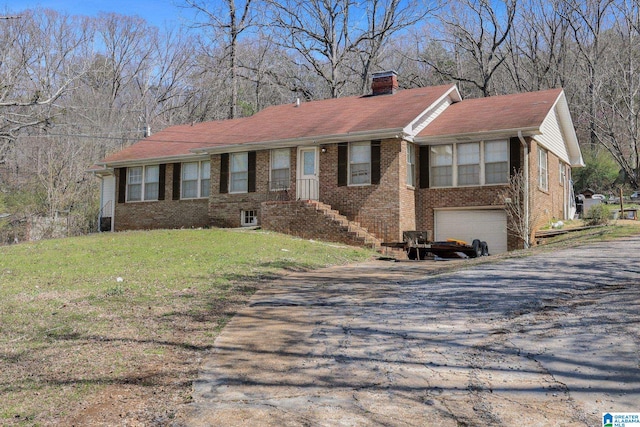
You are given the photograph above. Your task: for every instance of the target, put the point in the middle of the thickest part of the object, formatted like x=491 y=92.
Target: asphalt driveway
x=549 y=339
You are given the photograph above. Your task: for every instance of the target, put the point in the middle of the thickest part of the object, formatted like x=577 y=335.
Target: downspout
x=526 y=187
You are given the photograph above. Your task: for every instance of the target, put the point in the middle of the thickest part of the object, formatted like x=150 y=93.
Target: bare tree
x=589 y=21
x=161 y=85
x=475 y=34
x=37 y=68
x=340 y=41
x=321 y=32
x=227 y=20
x=540 y=55
x=521 y=218
x=616 y=120
x=384 y=19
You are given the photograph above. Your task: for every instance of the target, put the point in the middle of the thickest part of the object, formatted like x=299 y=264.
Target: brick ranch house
x=364 y=167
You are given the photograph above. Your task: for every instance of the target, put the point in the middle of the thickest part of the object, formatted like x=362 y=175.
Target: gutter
x=152 y=161
x=525 y=145
x=477 y=136
x=305 y=141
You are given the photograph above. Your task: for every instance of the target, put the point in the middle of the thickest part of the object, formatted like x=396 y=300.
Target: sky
x=156 y=12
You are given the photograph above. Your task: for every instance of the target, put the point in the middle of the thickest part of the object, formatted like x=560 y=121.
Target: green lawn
x=126 y=310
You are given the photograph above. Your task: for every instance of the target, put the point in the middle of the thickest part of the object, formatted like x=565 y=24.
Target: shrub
x=598 y=215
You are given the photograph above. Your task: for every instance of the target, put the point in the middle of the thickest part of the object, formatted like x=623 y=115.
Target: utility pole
x=11 y=17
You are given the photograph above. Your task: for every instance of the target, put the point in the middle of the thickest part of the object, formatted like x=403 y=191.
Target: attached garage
x=489 y=225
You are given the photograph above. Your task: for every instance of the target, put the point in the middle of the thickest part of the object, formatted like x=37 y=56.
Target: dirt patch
x=154 y=398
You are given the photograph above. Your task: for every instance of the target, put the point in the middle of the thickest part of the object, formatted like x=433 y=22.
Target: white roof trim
x=416 y=125
x=560 y=108
x=568 y=131
x=476 y=136
x=105 y=171
x=310 y=141
x=155 y=160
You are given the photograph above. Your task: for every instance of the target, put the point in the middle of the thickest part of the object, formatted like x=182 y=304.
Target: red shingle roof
x=494 y=113
x=343 y=116
x=315 y=119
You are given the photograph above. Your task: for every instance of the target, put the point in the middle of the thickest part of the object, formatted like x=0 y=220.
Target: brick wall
x=385 y=209
x=548 y=205
x=407 y=193
x=429 y=199
x=379 y=208
x=301 y=219
x=225 y=210
x=158 y=214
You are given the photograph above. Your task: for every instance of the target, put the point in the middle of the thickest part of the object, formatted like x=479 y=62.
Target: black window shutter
x=177 y=175
x=162 y=179
x=251 y=162
x=375 y=162
x=424 y=166
x=343 y=156
x=224 y=173
x=514 y=155
x=122 y=185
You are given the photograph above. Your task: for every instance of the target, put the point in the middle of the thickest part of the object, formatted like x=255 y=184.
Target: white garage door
x=489 y=225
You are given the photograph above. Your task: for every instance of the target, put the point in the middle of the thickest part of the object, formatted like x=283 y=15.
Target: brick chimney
x=384 y=83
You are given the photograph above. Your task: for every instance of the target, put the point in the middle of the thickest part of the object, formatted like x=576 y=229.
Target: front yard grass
x=615 y=229
x=89 y=325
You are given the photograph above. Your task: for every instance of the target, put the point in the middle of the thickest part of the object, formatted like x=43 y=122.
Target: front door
x=307 y=187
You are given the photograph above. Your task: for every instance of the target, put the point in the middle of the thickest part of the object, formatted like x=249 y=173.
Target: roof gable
x=543 y=115
x=495 y=113
x=343 y=116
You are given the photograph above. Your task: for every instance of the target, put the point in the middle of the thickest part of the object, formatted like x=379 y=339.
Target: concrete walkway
x=550 y=339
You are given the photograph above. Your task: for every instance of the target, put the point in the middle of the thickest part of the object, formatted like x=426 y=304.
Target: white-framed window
x=360 y=163
x=195 y=180
x=239 y=173
x=563 y=173
x=543 y=171
x=249 y=218
x=151 y=182
x=496 y=162
x=411 y=165
x=280 y=170
x=205 y=178
x=134 y=184
x=441 y=167
x=143 y=183
x=468 y=163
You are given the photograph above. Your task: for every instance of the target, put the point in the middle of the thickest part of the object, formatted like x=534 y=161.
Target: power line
x=79 y=135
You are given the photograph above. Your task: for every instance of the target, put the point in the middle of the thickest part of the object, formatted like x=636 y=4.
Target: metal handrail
x=278 y=191
x=307 y=189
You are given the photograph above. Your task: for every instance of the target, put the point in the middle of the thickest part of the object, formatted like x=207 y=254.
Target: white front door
x=307 y=187
x=108 y=199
